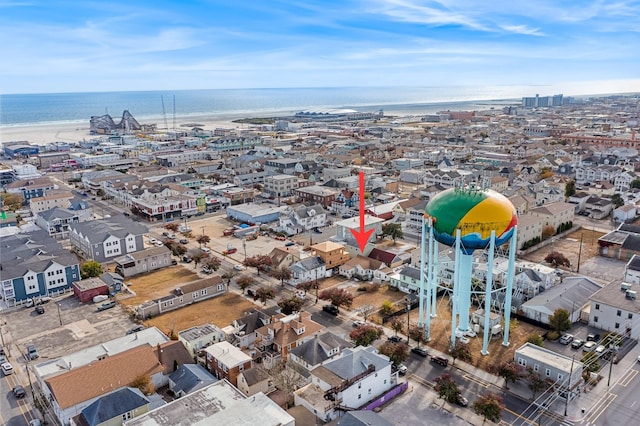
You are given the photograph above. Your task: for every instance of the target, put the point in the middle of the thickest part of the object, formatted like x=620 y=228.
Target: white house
x=632 y=270
x=359 y=376
x=616 y=308
x=308 y=269
x=302 y=219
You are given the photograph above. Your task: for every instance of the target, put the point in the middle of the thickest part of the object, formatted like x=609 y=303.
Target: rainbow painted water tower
x=466 y=219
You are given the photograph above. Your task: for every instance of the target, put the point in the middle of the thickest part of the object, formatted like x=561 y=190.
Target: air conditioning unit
x=631 y=294
x=625 y=286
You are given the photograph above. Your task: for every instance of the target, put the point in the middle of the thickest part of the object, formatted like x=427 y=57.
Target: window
x=127 y=416
x=536 y=367
x=617 y=325
x=560 y=376
x=595 y=319
x=630 y=316
x=522 y=361
x=203 y=291
x=220 y=287
x=359 y=396
x=619 y=312
x=547 y=372
x=598 y=306
x=360 y=385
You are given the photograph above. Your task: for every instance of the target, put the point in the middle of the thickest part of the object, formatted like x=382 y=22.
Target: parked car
x=462 y=401
x=186 y=259
x=184 y=241
x=289 y=243
x=32 y=352
x=35 y=422
x=229 y=251
x=238 y=267
x=440 y=360
x=174 y=262
x=7 y=369
x=332 y=309
x=588 y=346
x=19 y=392
x=317 y=231
x=420 y=351
x=206 y=249
x=107 y=305
x=600 y=350
x=577 y=343
x=206 y=270
x=39 y=310
x=566 y=339
x=279 y=238
x=395 y=339
x=402 y=369
x=593 y=337
x=357 y=324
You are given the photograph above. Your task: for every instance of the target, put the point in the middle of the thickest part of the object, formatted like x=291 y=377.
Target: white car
x=7 y=369
x=206 y=249
x=238 y=267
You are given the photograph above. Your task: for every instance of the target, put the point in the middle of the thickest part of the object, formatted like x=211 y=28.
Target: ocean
x=155 y=106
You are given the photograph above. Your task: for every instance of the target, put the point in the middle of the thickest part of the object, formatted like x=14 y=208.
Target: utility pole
x=566 y=399
x=579 y=253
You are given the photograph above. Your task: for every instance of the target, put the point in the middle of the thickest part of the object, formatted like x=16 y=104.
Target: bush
x=363 y=288
x=553 y=335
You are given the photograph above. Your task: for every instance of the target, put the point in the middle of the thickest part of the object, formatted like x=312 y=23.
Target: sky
x=580 y=47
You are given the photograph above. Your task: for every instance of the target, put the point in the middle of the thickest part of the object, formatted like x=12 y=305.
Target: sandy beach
x=42 y=134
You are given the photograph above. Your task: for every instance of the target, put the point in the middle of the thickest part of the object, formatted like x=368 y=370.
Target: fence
x=386 y=397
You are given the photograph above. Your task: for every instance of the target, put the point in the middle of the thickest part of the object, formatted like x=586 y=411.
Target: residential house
x=143 y=261
x=625 y=214
x=533 y=280
x=332 y=254
x=632 y=270
x=217 y=404
x=71 y=392
x=188 y=378
x=185 y=294
x=106 y=239
x=282 y=257
x=31 y=188
x=49 y=201
x=56 y=221
x=564 y=371
x=285 y=333
x=406 y=280
x=579 y=199
x=365 y=269
x=308 y=269
x=616 y=308
x=572 y=295
x=199 y=337
x=597 y=207
x=392 y=256
x=225 y=361
x=346 y=199
x=415 y=215
x=34 y=264
x=315 y=352
x=242 y=331
x=350 y=381
x=113 y=408
x=302 y=219
x=255 y=380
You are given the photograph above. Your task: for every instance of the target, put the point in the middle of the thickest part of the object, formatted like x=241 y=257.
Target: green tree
x=90 y=269
x=536 y=339
x=290 y=305
x=417 y=333
x=489 y=406
x=337 y=296
x=617 y=201
x=510 y=371
x=197 y=256
x=635 y=183
x=460 y=351
x=397 y=352
x=365 y=334
x=393 y=230
x=396 y=325
x=447 y=388
x=560 y=320
x=570 y=188
x=591 y=364
x=244 y=282
x=265 y=293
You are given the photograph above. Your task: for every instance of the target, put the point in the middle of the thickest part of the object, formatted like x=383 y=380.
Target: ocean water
x=145 y=106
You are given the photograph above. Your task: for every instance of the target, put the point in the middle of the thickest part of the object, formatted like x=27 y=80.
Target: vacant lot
x=157 y=284
x=375 y=299
x=220 y=311
x=570 y=247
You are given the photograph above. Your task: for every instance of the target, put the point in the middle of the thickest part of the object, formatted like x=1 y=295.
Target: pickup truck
x=227 y=232
x=230 y=251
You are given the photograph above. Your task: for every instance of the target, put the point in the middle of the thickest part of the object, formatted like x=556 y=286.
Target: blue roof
x=113 y=405
x=190 y=377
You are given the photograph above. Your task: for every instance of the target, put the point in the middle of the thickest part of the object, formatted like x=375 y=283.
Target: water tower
x=466 y=219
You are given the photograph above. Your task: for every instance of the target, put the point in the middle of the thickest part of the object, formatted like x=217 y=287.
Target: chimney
x=159 y=353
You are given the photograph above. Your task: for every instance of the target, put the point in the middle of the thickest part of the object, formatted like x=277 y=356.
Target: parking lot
x=66 y=326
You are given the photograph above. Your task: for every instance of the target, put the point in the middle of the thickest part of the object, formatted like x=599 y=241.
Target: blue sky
x=579 y=47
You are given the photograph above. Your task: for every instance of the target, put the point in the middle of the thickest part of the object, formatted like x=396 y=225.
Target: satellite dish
x=311 y=212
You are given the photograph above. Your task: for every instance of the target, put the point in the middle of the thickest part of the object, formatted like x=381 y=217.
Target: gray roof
x=634 y=263
x=113 y=404
x=34 y=251
x=356 y=361
x=308 y=264
x=56 y=213
x=190 y=377
x=316 y=350
x=571 y=294
x=363 y=418
x=411 y=272
x=118 y=226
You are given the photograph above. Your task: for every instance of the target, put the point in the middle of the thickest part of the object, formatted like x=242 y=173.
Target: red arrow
x=361 y=236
